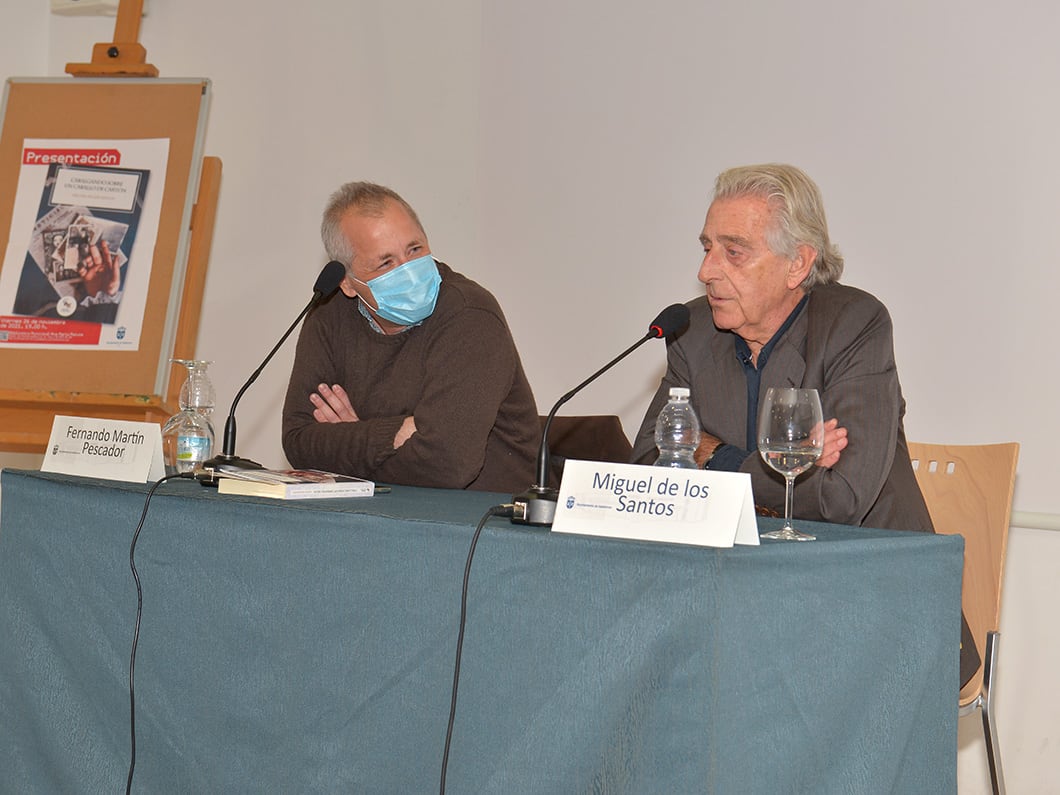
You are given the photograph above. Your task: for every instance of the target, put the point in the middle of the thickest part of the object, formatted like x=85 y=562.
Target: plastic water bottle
x=677 y=431
x=188 y=436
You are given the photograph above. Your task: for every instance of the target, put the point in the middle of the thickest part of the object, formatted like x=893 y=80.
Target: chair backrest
x=968 y=490
x=596 y=437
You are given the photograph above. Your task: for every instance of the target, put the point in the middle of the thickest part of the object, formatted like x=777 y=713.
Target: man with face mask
x=410 y=374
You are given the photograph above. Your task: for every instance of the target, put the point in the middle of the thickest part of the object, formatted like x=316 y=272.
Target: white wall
x=562 y=154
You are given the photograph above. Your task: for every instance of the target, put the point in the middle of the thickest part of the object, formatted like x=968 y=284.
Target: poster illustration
x=82 y=236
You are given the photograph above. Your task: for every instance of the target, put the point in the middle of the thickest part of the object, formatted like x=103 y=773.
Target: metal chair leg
x=993 y=751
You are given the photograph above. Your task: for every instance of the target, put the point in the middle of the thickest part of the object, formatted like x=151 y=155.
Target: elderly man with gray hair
x=775 y=314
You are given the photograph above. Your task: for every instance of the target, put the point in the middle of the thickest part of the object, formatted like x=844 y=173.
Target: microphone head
x=671 y=320
x=329 y=279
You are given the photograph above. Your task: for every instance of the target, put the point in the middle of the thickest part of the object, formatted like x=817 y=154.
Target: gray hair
x=798 y=214
x=365 y=198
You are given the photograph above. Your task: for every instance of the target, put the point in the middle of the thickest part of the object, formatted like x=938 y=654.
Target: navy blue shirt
x=729 y=457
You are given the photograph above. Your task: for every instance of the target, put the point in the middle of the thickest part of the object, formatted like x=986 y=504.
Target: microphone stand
x=208 y=474
x=326 y=284
x=537 y=505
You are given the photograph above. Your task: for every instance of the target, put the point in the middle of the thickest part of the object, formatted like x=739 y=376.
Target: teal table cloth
x=308 y=646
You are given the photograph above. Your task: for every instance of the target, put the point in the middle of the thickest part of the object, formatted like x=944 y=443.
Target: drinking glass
x=187 y=436
x=790 y=440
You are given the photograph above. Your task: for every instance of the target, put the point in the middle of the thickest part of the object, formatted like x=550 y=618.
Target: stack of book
x=291 y=484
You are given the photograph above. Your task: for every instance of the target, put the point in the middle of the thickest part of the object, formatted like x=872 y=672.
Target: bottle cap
x=679 y=392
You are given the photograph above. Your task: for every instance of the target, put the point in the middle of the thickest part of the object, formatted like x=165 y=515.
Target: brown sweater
x=458 y=373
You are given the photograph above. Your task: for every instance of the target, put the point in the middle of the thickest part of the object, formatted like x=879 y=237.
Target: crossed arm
x=332 y=404
x=835 y=441
x=422 y=420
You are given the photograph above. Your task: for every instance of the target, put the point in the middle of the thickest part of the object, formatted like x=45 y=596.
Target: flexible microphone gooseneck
x=537 y=505
x=326 y=284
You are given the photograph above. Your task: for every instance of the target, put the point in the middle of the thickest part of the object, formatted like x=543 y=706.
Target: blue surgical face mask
x=407 y=294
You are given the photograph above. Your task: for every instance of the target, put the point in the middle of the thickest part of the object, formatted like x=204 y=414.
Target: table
x=309 y=647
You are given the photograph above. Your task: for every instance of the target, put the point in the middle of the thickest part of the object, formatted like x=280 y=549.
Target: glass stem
x=789 y=492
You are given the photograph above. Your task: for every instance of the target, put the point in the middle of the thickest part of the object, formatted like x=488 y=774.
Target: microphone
x=326 y=284
x=537 y=505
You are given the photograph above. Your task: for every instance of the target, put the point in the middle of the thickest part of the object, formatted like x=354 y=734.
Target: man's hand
x=835 y=441
x=99 y=270
x=332 y=404
x=408 y=427
x=707 y=445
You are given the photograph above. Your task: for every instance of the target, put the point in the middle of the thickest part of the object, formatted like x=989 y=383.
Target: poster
x=78 y=261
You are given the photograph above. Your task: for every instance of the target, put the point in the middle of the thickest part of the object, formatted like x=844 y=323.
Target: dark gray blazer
x=841 y=344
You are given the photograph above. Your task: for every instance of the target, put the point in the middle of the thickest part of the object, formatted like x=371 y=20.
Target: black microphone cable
x=136 y=626
x=496 y=510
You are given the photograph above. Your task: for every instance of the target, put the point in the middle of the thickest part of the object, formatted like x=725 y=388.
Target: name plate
x=109 y=449
x=679 y=506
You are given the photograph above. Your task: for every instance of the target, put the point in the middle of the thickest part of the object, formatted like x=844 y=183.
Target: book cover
x=77 y=259
x=291 y=484
x=77 y=266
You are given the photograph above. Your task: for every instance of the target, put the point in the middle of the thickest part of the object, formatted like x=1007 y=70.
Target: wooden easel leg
x=203 y=215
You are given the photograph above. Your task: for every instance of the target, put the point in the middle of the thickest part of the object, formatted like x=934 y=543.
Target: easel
x=123 y=57
x=26 y=414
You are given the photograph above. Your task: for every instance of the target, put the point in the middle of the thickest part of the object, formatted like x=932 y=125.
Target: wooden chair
x=968 y=490
x=596 y=437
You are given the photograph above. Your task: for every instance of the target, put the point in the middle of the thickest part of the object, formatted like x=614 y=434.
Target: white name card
x=109 y=449
x=679 y=506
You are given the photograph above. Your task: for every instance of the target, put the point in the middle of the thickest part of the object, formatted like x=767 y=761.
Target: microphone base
x=207 y=475
x=536 y=506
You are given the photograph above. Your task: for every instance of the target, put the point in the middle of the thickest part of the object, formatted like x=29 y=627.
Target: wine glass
x=790 y=440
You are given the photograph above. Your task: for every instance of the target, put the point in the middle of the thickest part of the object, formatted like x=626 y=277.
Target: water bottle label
x=192 y=448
